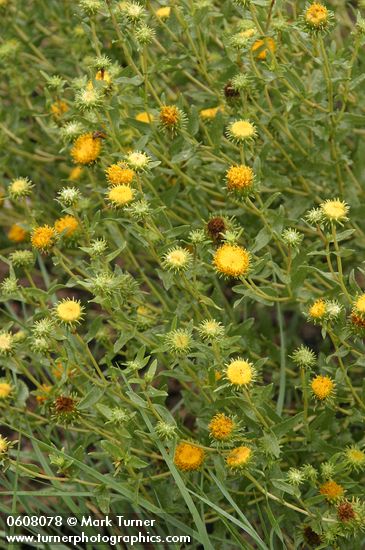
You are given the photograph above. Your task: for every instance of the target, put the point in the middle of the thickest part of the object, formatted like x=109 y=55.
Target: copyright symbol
x=71 y=521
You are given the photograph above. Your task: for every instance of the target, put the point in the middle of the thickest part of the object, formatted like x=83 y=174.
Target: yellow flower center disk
x=188 y=457
x=43 y=237
x=242 y=129
x=221 y=426
x=5 y=390
x=318 y=309
x=261 y=47
x=232 y=260
x=360 y=304
x=69 y=311
x=239 y=457
x=121 y=195
x=67 y=224
x=86 y=149
x=331 y=490
x=16 y=233
x=316 y=14
x=322 y=387
x=119 y=175
x=239 y=177
x=144 y=117
x=240 y=372
x=334 y=210
x=169 y=115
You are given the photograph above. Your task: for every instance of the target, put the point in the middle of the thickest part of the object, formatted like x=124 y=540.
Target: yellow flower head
x=358 y=308
x=171 y=117
x=6 y=343
x=164 y=12
x=179 y=341
x=262 y=47
x=355 y=458
x=334 y=210
x=43 y=393
x=104 y=76
x=43 y=238
x=4 y=445
x=118 y=174
x=138 y=161
x=240 y=177
x=75 y=173
x=318 y=310
x=188 y=457
x=69 y=311
x=241 y=131
x=20 y=187
x=86 y=149
x=177 y=259
x=17 y=234
x=240 y=372
x=231 y=260
x=208 y=114
x=332 y=491
x=322 y=387
x=59 y=108
x=66 y=225
x=239 y=457
x=120 y=195
x=221 y=427
x=145 y=117
x=316 y=15
x=5 y=389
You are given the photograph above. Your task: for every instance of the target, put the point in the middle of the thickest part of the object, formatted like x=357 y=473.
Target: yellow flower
x=6 y=343
x=359 y=306
x=43 y=393
x=144 y=117
x=188 y=457
x=240 y=372
x=138 y=160
x=118 y=174
x=207 y=114
x=164 y=12
x=66 y=225
x=171 y=117
x=75 y=173
x=322 y=387
x=177 y=259
x=240 y=177
x=43 y=237
x=69 y=311
x=262 y=47
x=355 y=458
x=221 y=427
x=16 y=233
x=232 y=260
x=4 y=445
x=59 y=108
x=316 y=15
x=120 y=195
x=239 y=457
x=86 y=149
x=332 y=490
x=317 y=310
x=5 y=390
x=104 y=76
x=241 y=130
x=20 y=187
x=334 y=210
